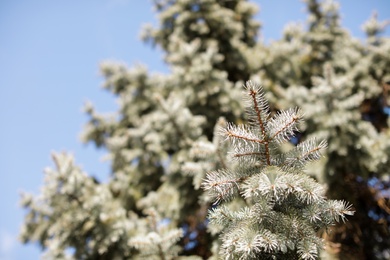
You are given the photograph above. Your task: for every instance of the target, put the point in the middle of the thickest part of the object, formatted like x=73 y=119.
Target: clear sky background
x=49 y=57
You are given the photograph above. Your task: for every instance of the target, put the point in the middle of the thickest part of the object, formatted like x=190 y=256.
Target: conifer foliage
x=283 y=208
x=341 y=84
x=170 y=167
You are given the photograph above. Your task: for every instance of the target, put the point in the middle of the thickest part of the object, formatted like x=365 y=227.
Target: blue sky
x=49 y=57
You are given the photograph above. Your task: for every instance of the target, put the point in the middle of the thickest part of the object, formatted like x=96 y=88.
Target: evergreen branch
x=312 y=151
x=309 y=150
x=254 y=155
x=240 y=132
x=309 y=191
x=313 y=213
x=338 y=209
x=267 y=241
x=254 y=93
x=260 y=106
x=277 y=185
x=283 y=125
x=223 y=216
x=221 y=184
x=269 y=183
x=257 y=106
x=307 y=249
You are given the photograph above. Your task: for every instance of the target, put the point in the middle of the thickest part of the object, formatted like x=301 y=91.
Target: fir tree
x=164 y=137
x=283 y=208
x=341 y=82
x=151 y=137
